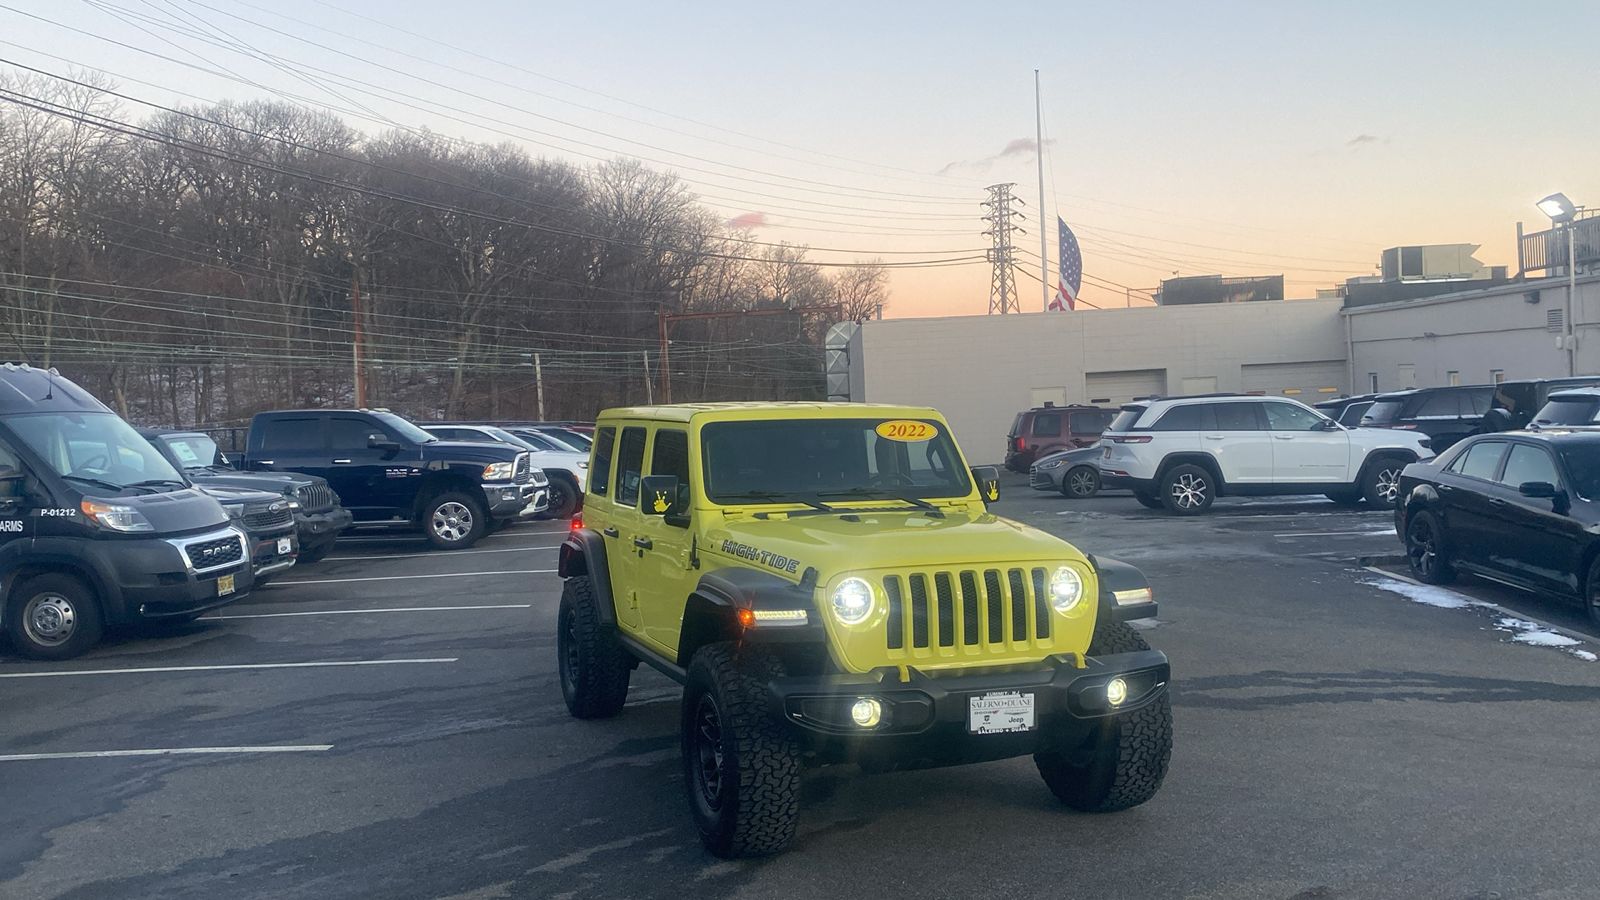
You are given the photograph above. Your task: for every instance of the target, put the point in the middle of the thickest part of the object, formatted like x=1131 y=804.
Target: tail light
x=1021 y=445
x=577 y=520
x=1132 y=439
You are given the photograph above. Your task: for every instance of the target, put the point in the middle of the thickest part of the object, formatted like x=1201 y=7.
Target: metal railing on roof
x=1547 y=250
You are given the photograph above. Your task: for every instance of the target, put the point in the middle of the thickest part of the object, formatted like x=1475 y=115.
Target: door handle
x=1213 y=437
x=341 y=462
x=643 y=543
x=1496 y=501
x=610 y=532
x=1284 y=437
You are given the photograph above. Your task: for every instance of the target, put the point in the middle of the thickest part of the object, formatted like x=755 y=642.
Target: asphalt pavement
x=387 y=723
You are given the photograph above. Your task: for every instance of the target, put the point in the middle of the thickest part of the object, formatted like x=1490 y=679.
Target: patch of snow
x=1525 y=632
x=1584 y=655
x=1424 y=593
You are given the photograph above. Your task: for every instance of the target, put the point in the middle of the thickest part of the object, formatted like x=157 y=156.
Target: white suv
x=1184 y=452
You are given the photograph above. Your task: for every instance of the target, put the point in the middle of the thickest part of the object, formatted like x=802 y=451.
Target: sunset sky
x=1226 y=138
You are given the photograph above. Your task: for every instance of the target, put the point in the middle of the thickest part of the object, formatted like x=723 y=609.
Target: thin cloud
x=748 y=220
x=1013 y=148
x=1360 y=139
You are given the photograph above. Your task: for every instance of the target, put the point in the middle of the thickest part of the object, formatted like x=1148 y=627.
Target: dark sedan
x=1521 y=508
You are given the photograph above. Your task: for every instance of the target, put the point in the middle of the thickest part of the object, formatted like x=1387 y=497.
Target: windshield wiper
x=774 y=497
x=158 y=482
x=886 y=494
x=96 y=482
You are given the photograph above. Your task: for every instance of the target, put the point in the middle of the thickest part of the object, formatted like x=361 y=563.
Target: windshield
x=192 y=451
x=96 y=450
x=830 y=459
x=570 y=439
x=1382 y=411
x=1574 y=411
x=1583 y=466
x=405 y=429
x=506 y=437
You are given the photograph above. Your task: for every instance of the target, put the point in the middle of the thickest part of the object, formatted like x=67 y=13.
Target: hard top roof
x=24 y=389
x=685 y=412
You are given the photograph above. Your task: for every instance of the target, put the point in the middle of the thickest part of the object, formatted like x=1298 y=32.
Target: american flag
x=1070 y=270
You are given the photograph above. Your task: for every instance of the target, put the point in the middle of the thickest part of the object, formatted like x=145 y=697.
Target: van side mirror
x=988 y=479
x=658 y=495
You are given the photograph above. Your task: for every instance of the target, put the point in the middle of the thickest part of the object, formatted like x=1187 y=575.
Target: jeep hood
x=880 y=539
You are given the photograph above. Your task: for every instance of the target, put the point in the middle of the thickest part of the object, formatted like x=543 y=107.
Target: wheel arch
x=442 y=482
x=1192 y=457
x=583 y=554
x=1373 y=457
x=712 y=612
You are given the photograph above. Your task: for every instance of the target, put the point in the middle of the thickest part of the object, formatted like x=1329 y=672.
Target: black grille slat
x=996 y=602
x=267 y=518
x=945 y=592
x=969 y=608
x=1019 y=605
x=919 y=611
x=1041 y=605
x=896 y=623
x=316 y=498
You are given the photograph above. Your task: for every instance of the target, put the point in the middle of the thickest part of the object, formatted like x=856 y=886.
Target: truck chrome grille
x=977 y=610
x=205 y=555
x=523 y=469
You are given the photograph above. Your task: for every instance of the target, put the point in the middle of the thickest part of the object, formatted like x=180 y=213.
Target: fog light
x=1116 y=691
x=867 y=712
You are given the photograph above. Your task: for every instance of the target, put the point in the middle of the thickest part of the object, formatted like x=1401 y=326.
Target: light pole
x=1562 y=212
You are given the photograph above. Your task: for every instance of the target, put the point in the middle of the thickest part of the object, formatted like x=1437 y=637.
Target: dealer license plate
x=1001 y=713
x=285 y=545
x=224 y=585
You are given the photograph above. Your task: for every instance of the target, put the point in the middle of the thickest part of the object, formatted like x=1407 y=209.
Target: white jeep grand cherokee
x=1182 y=453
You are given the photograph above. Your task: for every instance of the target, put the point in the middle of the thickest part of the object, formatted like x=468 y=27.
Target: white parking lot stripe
x=352 y=612
x=236 y=667
x=435 y=555
x=409 y=577
x=166 y=751
x=1388 y=533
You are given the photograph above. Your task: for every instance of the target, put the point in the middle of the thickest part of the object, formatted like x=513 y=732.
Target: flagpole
x=1038 y=140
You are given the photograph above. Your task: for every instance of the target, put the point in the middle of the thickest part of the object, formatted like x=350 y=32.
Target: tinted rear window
x=1445 y=404
x=1382 y=411
x=292 y=434
x=1354 y=412
x=1125 y=419
x=1091 y=422
x=600 y=470
x=1179 y=418
x=1584 y=411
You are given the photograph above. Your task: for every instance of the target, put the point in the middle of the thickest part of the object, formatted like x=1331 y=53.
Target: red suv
x=1048 y=428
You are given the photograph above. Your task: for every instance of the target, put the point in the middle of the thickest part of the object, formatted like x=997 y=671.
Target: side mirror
x=988 y=479
x=658 y=495
x=1329 y=425
x=1538 y=490
x=379 y=442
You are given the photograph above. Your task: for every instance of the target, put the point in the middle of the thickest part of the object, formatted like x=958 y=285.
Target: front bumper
x=506 y=498
x=538 y=499
x=926 y=720
x=314 y=528
x=271 y=554
x=1047 y=479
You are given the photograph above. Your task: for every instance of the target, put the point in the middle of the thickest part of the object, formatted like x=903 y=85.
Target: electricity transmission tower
x=1003 y=284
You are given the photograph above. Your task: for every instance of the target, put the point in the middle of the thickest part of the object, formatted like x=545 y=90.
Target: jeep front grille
x=980 y=611
x=316 y=498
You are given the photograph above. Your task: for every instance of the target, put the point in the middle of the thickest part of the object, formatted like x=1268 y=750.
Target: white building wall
x=1418 y=343
x=980 y=371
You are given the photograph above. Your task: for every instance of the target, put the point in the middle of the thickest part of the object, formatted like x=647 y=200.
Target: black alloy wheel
x=1425 y=549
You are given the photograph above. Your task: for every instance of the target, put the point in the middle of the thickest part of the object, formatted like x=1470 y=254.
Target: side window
x=10 y=464
x=1047 y=425
x=1288 y=417
x=1238 y=417
x=1528 y=463
x=352 y=434
x=1090 y=422
x=1353 y=413
x=1443 y=404
x=1480 y=400
x=1179 y=418
x=600 y=469
x=671 y=455
x=292 y=434
x=1480 y=461
x=630 y=462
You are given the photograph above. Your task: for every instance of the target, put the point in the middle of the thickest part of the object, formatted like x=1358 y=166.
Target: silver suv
x=1182 y=453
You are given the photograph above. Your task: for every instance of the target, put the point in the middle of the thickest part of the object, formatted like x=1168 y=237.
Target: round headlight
x=852 y=601
x=1066 y=589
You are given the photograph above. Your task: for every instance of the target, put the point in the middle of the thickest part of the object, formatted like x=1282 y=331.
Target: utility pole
x=1038 y=147
x=360 y=382
x=649 y=389
x=538 y=377
x=1003 y=283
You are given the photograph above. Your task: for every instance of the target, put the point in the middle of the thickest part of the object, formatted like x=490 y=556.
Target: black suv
x=96 y=527
x=388 y=471
x=1448 y=414
x=1578 y=408
x=1346 y=410
x=318 y=517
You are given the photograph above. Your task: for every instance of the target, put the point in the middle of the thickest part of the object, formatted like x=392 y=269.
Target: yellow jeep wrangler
x=826 y=582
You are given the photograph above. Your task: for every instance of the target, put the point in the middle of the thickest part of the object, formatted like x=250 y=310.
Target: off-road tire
x=1123 y=762
x=1427 y=549
x=564 y=497
x=437 y=525
x=593 y=665
x=1380 y=484
x=53 y=616
x=1188 y=490
x=731 y=735
x=1081 y=482
x=1147 y=501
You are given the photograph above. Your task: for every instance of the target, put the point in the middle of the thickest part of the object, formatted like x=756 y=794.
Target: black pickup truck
x=318 y=517
x=388 y=471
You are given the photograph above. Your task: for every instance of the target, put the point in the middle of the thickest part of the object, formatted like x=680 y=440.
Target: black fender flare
x=1124 y=591
x=584 y=553
x=712 y=612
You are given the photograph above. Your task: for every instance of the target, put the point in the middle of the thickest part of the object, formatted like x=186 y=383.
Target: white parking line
x=237 y=667
x=408 y=577
x=406 y=536
x=166 y=751
x=436 y=555
x=352 y=612
x=1389 y=533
